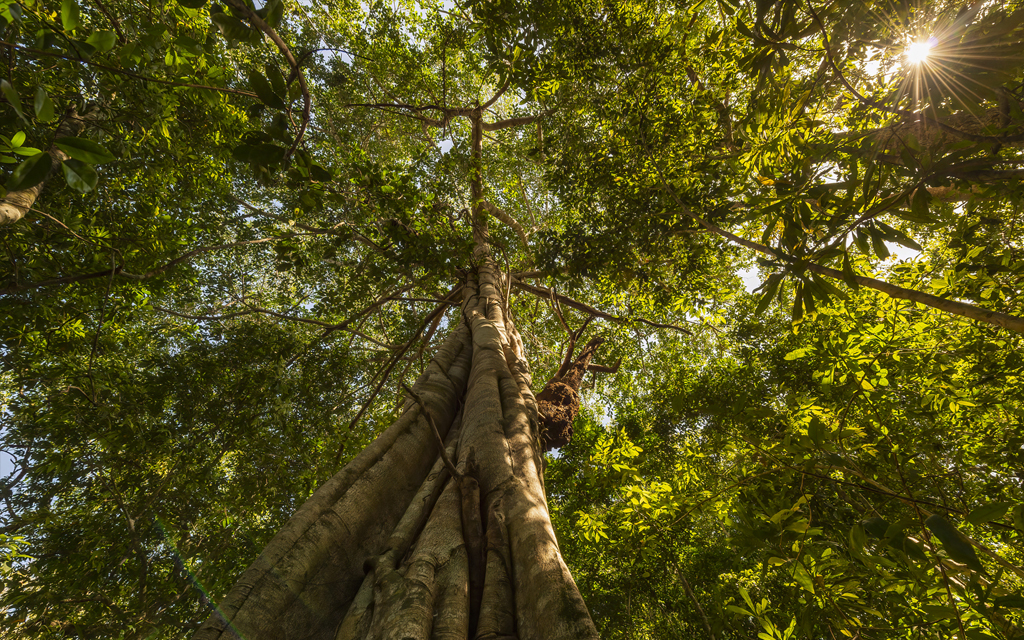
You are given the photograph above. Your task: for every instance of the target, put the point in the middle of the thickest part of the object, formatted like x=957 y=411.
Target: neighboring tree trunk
x=16 y=204
x=394 y=547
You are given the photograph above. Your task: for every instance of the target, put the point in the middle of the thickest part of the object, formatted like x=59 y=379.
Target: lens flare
x=917 y=52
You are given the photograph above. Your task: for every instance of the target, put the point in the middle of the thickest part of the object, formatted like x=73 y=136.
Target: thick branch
x=1004 y=320
x=17 y=203
x=478 y=217
x=507 y=219
x=515 y=122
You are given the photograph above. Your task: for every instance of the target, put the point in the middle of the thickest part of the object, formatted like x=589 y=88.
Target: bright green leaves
x=15 y=146
x=102 y=40
x=69 y=15
x=30 y=172
x=84 y=150
x=956 y=544
x=989 y=512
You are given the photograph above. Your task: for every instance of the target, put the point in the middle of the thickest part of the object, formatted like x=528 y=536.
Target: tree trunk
x=16 y=204
x=394 y=547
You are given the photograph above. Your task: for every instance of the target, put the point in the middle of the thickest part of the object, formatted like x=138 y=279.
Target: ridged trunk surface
x=394 y=547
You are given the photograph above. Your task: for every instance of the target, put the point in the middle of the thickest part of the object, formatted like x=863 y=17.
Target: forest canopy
x=234 y=234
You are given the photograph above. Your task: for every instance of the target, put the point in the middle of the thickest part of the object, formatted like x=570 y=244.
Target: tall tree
x=252 y=226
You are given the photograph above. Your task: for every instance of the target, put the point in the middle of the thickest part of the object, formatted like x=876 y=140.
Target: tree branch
x=259 y=23
x=507 y=219
x=129 y=74
x=515 y=122
x=545 y=292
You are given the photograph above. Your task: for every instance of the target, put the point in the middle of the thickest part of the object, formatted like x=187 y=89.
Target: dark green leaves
x=770 y=288
x=955 y=543
x=988 y=512
x=192 y=4
x=232 y=28
x=80 y=176
x=272 y=12
x=263 y=88
x=12 y=98
x=261 y=153
x=43 y=106
x=84 y=150
x=30 y=172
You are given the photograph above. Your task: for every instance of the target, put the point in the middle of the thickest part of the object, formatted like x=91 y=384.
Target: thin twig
x=437 y=434
x=544 y=292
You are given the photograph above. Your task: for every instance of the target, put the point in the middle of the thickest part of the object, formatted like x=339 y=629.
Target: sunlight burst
x=917 y=52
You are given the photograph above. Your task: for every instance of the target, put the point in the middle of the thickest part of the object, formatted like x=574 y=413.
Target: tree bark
x=388 y=547
x=16 y=204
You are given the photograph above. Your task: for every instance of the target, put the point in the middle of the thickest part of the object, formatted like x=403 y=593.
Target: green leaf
x=272 y=12
x=192 y=4
x=80 y=176
x=989 y=512
x=897 y=236
x=319 y=174
x=85 y=150
x=803 y=578
x=232 y=28
x=261 y=86
x=261 y=153
x=849 y=275
x=102 y=40
x=861 y=239
x=955 y=543
x=878 y=242
x=276 y=79
x=12 y=98
x=43 y=106
x=816 y=431
x=1011 y=601
x=858 y=538
x=30 y=172
x=876 y=527
x=919 y=204
x=69 y=15
x=798 y=302
x=771 y=287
